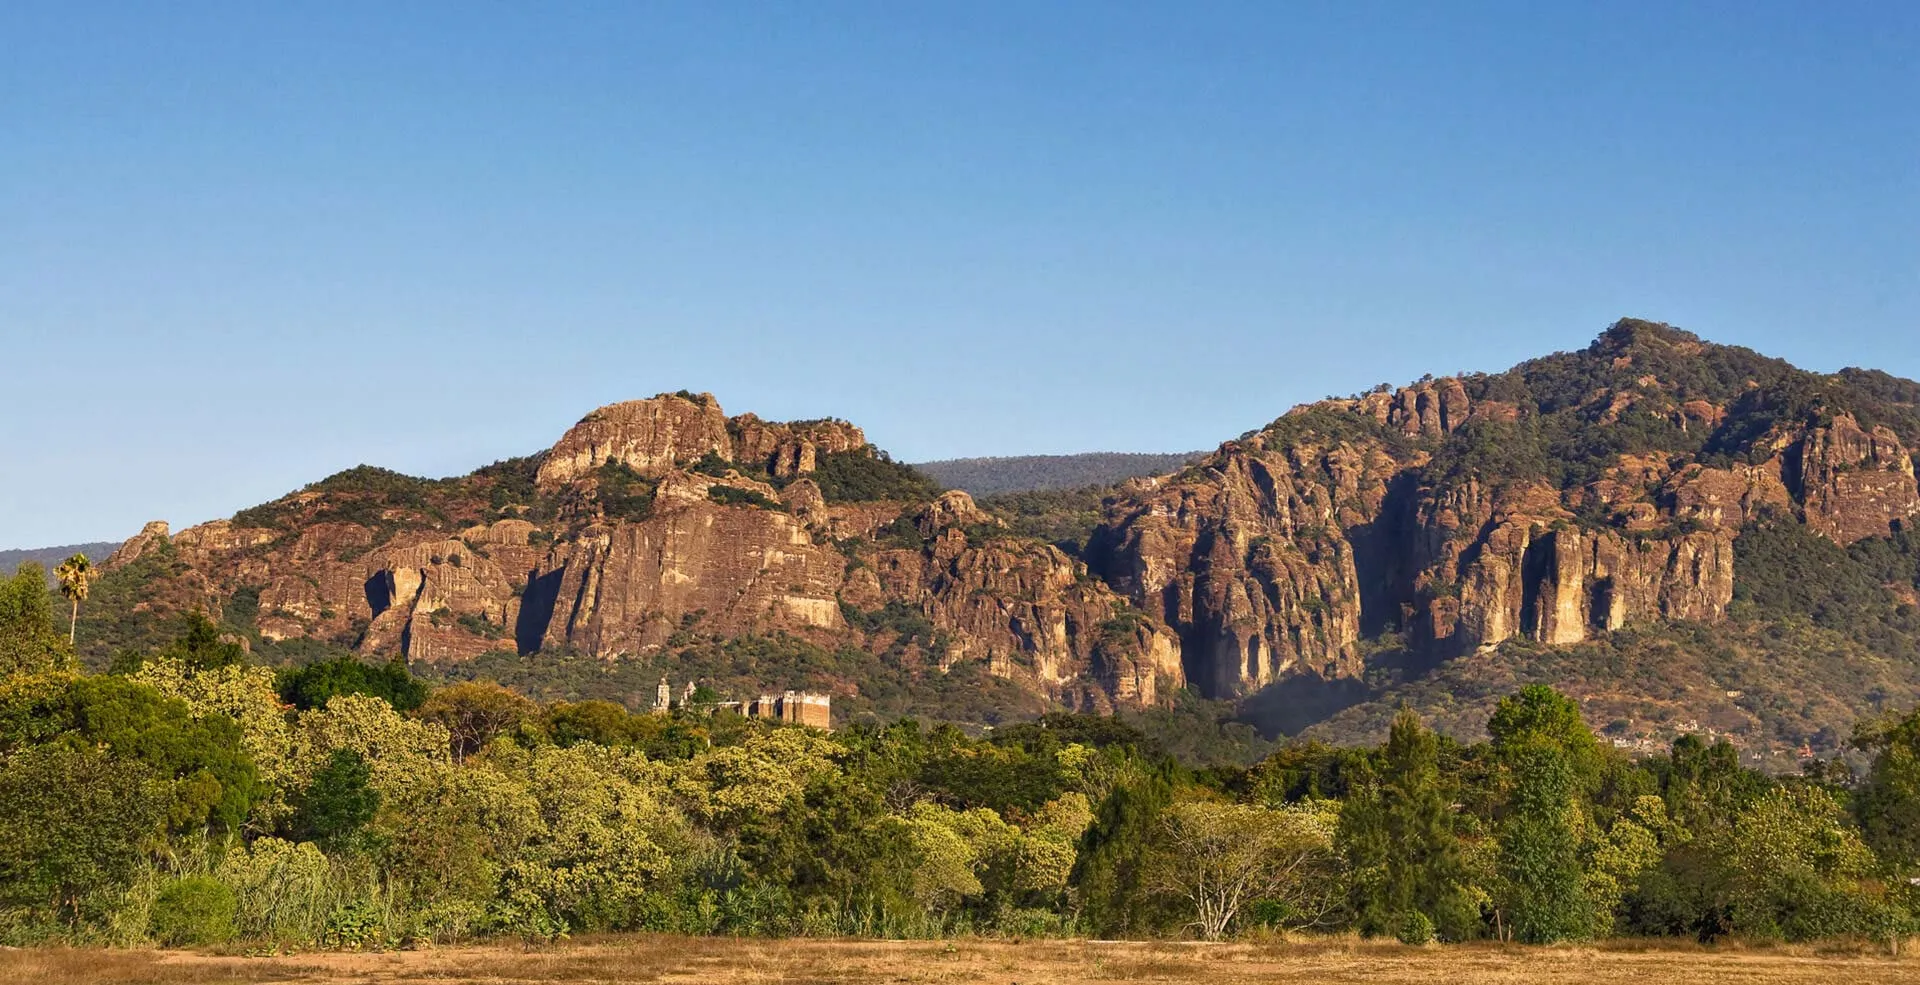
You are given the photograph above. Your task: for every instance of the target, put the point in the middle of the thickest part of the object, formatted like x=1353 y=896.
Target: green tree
x=1218 y=860
x=1398 y=833
x=1887 y=804
x=1799 y=870
x=1543 y=885
x=201 y=645
x=202 y=758
x=474 y=712
x=75 y=827
x=28 y=640
x=1539 y=714
x=337 y=803
x=1116 y=854
x=1705 y=787
x=75 y=574
x=313 y=685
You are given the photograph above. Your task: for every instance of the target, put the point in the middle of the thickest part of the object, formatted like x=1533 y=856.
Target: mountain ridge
x=997 y=474
x=1549 y=506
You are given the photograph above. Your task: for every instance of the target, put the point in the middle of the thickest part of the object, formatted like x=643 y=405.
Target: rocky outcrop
x=1024 y=608
x=1284 y=549
x=647 y=436
x=623 y=588
x=1855 y=483
x=1516 y=564
x=614 y=565
x=1250 y=561
x=155 y=532
x=1569 y=497
x=791 y=449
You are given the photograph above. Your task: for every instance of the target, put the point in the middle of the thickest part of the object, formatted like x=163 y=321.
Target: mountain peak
x=1627 y=335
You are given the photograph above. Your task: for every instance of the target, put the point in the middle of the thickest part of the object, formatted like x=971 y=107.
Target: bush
x=624 y=494
x=868 y=474
x=736 y=496
x=192 y=911
x=1414 y=928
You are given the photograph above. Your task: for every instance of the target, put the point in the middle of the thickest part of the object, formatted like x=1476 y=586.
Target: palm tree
x=74 y=574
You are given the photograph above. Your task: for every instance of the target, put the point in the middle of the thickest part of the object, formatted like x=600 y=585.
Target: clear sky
x=243 y=246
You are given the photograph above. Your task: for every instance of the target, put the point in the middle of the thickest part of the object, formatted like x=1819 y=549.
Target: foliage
x=473 y=714
x=869 y=474
x=1220 y=859
x=201 y=645
x=184 y=804
x=740 y=496
x=1541 y=880
x=75 y=826
x=364 y=495
x=1006 y=478
x=209 y=777
x=192 y=910
x=622 y=493
x=1065 y=518
x=29 y=640
x=1398 y=835
x=1887 y=803
x=312 y=685
x=337 y=803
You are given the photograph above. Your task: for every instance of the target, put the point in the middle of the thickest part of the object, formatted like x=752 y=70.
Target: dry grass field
x=684 y=960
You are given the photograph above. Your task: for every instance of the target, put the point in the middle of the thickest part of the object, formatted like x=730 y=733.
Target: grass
x=650 y=958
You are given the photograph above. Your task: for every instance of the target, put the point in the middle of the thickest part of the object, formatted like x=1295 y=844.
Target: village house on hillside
x=797 y=707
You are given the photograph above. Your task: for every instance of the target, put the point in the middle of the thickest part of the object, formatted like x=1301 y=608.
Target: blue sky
x=243 y=246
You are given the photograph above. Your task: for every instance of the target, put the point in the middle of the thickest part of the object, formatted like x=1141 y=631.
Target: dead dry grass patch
x=678 y=960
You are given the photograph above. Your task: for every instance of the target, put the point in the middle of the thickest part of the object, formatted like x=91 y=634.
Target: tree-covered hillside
x=1026 y=473
x=50 y=557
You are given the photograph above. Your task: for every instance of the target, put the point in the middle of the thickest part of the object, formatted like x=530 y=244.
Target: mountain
x=1029 y=473
x=49 y=557
x=1428 y=543
x=1688 y=536
x=661 y=537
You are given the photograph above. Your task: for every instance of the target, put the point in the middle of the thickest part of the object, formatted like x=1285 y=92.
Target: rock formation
x=1279 y=553
x=1570 y=496
x=612 y=565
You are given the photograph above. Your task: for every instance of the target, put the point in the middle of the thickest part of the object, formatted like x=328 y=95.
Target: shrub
x=192 y=911
x=736 y=496
x=1414 y=928
x=624 y=494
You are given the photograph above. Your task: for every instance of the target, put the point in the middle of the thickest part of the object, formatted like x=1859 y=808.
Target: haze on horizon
x=244 y=247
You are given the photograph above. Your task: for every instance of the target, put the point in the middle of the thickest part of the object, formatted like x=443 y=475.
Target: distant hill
x=1026 y=473
x=10 y=561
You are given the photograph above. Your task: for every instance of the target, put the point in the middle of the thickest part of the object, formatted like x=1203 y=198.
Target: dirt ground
x=794 y=962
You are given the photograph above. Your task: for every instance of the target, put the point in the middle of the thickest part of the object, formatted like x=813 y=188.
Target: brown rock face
x=1276 y=558
x=787 y=450
x=623 y=588
x=156 y=531
x=1427 y=409
x=1855 y=483
x=1572 y=496
x=443 y=572
x=647 y=436
x=1248 y=562
x=1025 y=608
x=651 y=436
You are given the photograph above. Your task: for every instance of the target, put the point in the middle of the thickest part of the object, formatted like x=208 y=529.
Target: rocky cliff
x=1553 y=503
x=1565 y=498
x=657 y=517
